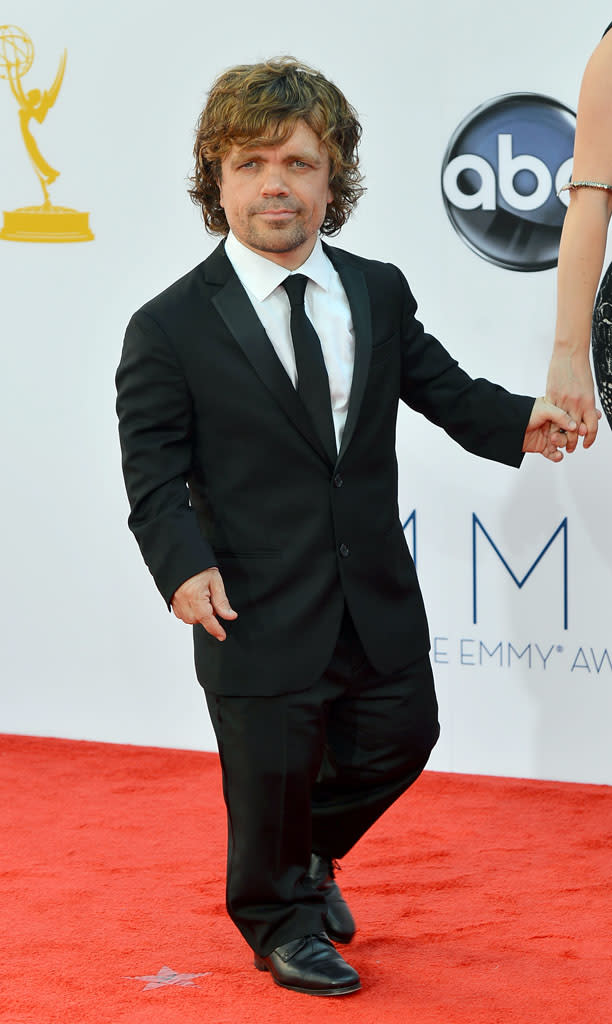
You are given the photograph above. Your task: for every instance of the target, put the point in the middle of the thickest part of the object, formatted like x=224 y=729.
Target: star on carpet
x=166 y=976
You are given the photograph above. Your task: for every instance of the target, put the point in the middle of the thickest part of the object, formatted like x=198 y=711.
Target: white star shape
x=166 y=976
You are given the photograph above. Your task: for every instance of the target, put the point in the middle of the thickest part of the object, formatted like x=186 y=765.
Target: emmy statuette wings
x=44 y=223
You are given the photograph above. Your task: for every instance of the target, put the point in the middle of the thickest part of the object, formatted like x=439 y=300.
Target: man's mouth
x=283 y=214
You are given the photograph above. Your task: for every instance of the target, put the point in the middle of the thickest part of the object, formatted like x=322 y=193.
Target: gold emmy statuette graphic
x=46 y=223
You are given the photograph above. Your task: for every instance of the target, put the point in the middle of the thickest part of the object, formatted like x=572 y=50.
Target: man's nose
x=275 y=182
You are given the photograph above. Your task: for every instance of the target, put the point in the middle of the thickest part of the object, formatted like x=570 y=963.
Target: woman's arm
x=583 y=244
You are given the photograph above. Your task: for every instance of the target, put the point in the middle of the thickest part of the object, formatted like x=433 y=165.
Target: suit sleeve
x=482 y=417
x=155 y=430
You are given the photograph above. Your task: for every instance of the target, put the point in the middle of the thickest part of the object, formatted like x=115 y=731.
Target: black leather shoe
x=339 y=922
x=311 y=965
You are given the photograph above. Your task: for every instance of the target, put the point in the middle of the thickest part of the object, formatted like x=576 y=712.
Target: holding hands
x=570 y=386
x=549 y=430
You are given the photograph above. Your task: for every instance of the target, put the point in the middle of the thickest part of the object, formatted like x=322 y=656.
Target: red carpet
x=479 y=900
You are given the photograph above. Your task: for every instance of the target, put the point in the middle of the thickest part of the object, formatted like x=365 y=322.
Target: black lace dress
x=602 y=343
x=602 y=338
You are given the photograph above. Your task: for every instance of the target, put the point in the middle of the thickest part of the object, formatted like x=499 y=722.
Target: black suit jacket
x=222 y=467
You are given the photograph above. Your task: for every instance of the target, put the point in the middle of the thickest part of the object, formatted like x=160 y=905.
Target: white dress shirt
x=326 y=306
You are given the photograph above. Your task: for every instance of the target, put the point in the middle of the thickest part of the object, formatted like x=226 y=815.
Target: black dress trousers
x=311 y=771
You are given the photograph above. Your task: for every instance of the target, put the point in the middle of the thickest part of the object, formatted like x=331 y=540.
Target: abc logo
x=500 y=176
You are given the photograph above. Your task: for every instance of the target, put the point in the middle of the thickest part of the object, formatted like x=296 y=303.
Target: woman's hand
x=570 y=386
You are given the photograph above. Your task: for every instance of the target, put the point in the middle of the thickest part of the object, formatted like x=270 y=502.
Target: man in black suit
x=257 y=399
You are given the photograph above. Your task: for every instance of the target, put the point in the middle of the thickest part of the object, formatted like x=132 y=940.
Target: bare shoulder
x=593 y=149
x=597 y=79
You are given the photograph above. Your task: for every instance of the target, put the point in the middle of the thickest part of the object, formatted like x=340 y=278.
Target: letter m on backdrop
x=478 y=529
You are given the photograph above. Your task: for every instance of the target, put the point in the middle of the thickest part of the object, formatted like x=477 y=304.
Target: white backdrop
x=88 y=650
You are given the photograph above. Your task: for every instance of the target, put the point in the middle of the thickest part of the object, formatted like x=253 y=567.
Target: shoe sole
x=310 y=991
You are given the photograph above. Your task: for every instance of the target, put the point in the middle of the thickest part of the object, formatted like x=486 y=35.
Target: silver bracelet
x=585 y=184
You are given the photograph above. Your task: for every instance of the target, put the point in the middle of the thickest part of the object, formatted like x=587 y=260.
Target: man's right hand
x=201 y=599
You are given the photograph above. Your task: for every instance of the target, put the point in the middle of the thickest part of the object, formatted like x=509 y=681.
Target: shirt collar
x=261 y=276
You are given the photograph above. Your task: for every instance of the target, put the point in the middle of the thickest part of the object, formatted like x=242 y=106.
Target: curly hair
x=259 y=105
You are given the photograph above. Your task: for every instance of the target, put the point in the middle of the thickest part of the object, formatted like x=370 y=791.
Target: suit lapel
x=235 y=308
x=354 y=283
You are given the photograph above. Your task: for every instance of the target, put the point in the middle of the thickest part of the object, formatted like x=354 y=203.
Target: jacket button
x=344 y=550
x=338 y=481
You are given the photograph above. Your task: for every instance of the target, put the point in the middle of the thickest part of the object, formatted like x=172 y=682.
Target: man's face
x=275 y=197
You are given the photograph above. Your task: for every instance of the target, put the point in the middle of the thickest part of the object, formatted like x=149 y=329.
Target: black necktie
x=313 y=382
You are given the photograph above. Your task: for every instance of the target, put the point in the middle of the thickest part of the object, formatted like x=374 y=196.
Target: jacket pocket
x=261 y=553
x=382 y=351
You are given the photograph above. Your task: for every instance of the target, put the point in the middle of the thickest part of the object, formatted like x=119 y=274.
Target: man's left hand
x=549 y=430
